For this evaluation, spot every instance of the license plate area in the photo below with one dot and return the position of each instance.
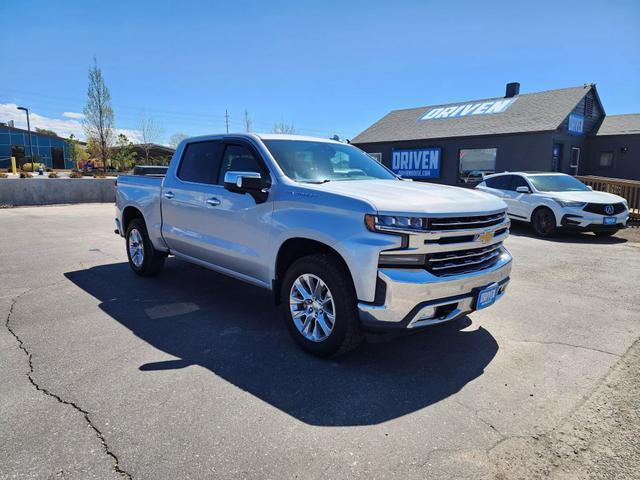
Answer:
(609, 220)
(487, 296)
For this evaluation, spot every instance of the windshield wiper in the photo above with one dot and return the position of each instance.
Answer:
(317, 182)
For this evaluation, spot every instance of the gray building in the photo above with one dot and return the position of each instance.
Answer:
(564, 130)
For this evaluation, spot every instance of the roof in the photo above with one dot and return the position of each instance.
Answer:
(261, 136)
(529, 112)
(620, 125)
(33, 132)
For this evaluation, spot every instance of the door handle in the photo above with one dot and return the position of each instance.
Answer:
(213, 201)
(169, 195)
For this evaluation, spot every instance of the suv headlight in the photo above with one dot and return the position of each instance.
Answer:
(393, 223)
(569, 203)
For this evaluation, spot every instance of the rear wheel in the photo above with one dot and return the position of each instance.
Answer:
(143, 258)
(320, 307)
(543, 222)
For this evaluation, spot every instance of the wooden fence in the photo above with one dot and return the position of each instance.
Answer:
(628, 189)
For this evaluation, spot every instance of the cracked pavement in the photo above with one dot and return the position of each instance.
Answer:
(191, 375)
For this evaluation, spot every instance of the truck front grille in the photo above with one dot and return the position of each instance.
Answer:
(463, 261)
(463, 223)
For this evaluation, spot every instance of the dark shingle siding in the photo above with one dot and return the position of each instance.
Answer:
(531, 112)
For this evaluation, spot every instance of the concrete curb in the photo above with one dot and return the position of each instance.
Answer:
(32, 191)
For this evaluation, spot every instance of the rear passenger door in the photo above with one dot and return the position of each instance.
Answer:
(183, 198)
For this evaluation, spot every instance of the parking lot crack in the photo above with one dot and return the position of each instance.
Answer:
(565, 344)
(116, 462)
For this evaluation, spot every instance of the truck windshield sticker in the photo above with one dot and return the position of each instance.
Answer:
(417, 163)
(466, 109)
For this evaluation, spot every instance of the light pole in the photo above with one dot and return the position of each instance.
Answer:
(30, 144)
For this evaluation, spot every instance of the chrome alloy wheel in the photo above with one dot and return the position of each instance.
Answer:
(312, 307)
(136, 248)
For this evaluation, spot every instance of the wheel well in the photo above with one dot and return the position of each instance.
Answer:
(129, 214)
(539, 207)
(296, 248)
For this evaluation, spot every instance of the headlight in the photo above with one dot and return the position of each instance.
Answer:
(570, 203)
(393, 223)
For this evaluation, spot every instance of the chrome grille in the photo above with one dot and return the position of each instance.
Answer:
(463, 223)
(464, 261)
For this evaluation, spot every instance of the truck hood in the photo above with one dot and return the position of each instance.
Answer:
(586, 196)
(401, 197)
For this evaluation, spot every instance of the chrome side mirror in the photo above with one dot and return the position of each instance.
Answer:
(523, 189)
(242, 181)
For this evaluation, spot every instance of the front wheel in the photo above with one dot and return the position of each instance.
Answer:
(543, 222)
(320, 307)
(144, 260)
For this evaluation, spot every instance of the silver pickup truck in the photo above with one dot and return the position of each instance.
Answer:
(344, 244)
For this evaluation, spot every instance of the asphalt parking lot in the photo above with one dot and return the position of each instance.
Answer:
(191, 375)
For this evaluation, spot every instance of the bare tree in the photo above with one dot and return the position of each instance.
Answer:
(247, 121)
(284, 127)
(150, 133)
(98, 114)
(176, 138)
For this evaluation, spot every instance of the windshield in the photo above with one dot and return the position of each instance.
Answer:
(318, 162)
(557, 183)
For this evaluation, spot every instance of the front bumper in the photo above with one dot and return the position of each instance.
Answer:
(592, 222)
(412, 298)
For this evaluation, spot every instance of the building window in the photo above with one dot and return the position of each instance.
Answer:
(606, 159)
(575, 160)
(475, 163)
(376, 156)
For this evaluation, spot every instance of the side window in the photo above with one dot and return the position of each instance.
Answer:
(238, 158)
(518, 181)
(200, 162)
(502, 182)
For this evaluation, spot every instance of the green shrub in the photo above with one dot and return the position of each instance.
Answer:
(27, 167)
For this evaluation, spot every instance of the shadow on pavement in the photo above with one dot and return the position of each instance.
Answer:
(234, 330)
(521, 229)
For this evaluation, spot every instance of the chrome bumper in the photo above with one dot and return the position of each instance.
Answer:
(417, 298)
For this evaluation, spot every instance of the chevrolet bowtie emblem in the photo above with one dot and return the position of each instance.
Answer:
(484, 237)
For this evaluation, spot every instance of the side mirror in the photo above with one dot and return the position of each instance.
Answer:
(523, 189)
(247, 182)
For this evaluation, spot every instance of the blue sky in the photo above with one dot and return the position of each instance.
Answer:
(327, 67)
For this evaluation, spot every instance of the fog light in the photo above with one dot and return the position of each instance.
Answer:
(426, 313)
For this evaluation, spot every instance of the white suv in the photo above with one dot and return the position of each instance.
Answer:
(555, 200)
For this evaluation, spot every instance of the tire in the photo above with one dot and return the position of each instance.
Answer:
(144, 260)
(608, 233)
(341, 336)
(543, 222)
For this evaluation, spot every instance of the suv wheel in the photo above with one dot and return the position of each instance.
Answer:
(543, 222)
(143, 258)
(319, 306)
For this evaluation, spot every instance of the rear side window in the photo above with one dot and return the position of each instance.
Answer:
(238, 158)
(200, 162)
(503, 182)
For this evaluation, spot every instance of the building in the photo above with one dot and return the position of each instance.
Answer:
(51, 150)
(564, 130)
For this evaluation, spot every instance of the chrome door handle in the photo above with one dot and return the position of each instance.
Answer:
(213, 201)
(169, 195)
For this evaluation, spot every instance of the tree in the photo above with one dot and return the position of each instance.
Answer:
(98, 115)
(44, 131)
(75, 152)
(150, 133)
(247, 121)
(176, 138)
(284, 127)
(123, 153)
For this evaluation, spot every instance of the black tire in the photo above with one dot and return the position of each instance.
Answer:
(345, 334)
(607, 233)
(152, 259)
(543, 222)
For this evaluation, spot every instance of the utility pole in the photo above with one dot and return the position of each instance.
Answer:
(247, 121)
(30, 144)
(226, 119)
